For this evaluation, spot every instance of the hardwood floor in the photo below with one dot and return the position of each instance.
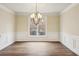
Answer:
(36, 49)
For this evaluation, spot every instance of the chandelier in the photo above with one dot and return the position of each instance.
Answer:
(36, 17)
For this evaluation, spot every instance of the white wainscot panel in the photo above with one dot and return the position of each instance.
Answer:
(76, 44)
(71, 41)
(67, 40)
(51, 36)
(6, 39)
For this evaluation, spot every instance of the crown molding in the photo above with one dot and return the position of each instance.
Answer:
(46, 14)
(6, 9)
(22, 13)
(69, 7)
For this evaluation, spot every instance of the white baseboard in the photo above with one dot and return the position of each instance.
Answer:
(51, 36)
(70, 41)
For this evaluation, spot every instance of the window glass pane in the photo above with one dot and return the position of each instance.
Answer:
(33, 28)
(33, 31)
(41, 28)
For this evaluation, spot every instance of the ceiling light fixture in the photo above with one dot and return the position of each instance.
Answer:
(36, 17)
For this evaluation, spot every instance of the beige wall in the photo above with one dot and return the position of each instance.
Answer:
(7, 27)
(22, 23)
(6, 21)
(70, 21)
(53, 23)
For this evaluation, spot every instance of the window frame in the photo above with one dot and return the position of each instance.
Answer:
(37, 26)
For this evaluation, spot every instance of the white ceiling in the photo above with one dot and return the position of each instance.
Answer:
(42, 7)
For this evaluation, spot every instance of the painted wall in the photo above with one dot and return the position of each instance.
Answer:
(53, 23)
(52, 29)
(70, 28)
(7, 21)
(21, 23)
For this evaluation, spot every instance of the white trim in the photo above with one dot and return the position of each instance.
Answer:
(6, 9)
(22, 13)
(47, 14)
(46, 25)
(28, 26)
(69, 7)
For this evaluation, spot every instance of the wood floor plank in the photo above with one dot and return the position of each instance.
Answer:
(36, 49)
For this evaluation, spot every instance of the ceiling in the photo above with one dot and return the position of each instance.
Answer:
(41, 7)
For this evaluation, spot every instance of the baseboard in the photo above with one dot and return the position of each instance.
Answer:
(39, 41)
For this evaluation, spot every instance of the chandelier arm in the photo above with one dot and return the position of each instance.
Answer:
(37, 21)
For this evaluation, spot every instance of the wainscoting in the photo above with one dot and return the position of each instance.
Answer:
(51, 36)
(70, 41)
(6, 39)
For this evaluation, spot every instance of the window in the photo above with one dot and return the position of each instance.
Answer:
(37, 30)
